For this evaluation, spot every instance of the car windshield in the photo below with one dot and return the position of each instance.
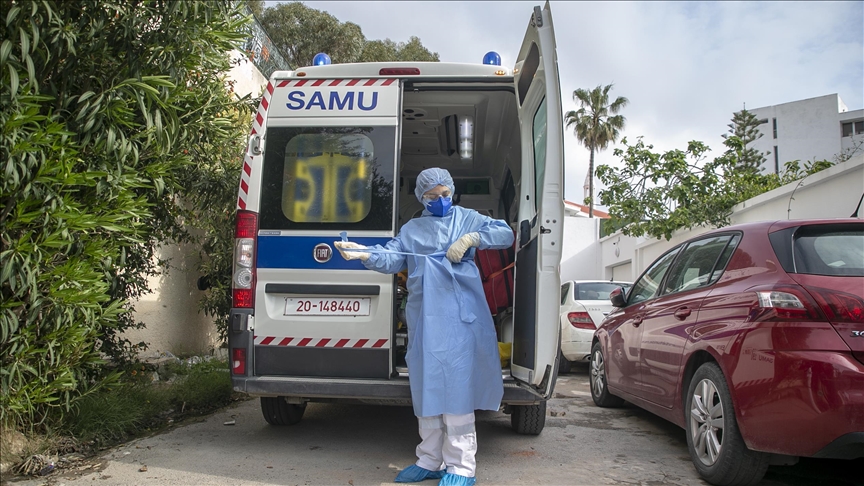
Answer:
(597, 290)
(833, 253)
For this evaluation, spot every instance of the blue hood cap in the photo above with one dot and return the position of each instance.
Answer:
(431, 178)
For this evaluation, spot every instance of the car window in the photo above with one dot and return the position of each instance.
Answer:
(594, 290)
(695, 267)
(823, 251)
(564, 289)
(647, 285)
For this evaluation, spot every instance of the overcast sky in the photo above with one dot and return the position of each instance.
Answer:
(685, 66)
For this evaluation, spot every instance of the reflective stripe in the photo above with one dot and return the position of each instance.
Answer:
(435, 422)
(454, 430)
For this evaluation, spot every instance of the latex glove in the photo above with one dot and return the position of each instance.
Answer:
(342, 246)
(459, 247)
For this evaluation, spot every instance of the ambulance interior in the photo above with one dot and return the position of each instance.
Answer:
(486, 168)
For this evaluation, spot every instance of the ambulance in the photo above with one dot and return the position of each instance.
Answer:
(337, 148)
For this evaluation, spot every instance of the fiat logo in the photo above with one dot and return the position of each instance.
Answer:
(322, 253)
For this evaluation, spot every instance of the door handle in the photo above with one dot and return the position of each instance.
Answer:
(637, 321)
(682, 313)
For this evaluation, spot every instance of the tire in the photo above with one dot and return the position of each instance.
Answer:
(716, 447)
(277, 411)
(528, 419)
(597, 379)
(564, 364)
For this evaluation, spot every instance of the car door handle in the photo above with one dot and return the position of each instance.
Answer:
(637, 321)
(682, 313)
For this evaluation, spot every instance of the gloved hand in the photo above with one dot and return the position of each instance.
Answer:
(351, 255)
(459, 247)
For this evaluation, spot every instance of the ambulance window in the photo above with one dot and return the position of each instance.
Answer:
(323, 176)
(539, 135)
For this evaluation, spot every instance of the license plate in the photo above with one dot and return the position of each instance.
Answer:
(324, 306)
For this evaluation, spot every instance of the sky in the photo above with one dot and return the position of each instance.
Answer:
(684, 66)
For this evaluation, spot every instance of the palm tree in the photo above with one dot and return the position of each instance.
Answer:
(594, 127)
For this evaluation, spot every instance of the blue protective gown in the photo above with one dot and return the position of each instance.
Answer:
(453, 360)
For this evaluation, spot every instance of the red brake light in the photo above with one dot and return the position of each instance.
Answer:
(246, 225)
(243, 277)
(839, 306)
(238, 361)
(399, 72)
(243, 298)
(581, 320)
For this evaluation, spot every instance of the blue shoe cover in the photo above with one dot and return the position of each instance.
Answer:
(450, 479)
(415, 474)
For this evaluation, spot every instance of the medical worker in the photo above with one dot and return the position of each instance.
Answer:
(453, 361)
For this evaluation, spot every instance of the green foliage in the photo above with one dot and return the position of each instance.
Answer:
(745, 127)
(387, 50)
(656, 194)
(137, 406)
(596, 124)
(108, 108)
(300, 32)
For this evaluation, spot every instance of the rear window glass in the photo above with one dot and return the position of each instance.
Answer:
(322, 176)
(818, 251)
(597, 290)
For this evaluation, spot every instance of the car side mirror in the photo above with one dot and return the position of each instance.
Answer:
(617, 297)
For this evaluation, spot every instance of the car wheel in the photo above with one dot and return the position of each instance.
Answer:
(277, 411)
(597, 379)
(716, 446)
(564, 364)
(528, 419)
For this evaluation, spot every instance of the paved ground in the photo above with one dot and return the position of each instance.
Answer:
(367, 445)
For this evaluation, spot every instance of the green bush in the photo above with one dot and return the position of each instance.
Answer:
(110, 113)
(137, 405)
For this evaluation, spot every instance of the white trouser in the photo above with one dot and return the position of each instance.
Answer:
(448, 440)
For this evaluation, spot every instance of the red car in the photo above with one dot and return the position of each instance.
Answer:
(751, 338)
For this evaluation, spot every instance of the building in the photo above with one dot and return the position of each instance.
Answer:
(819, 128)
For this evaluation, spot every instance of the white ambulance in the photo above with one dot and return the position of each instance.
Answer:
(337, 148)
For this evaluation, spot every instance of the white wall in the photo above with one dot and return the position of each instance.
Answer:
(806, 130)
(247, 78)
(580, 254)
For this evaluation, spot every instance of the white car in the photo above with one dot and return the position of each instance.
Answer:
(584, 305)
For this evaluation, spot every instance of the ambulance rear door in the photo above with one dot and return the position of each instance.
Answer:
(541, 210)
(329, 166)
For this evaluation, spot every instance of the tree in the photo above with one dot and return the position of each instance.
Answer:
(745, 126)
(596, 124)
(300, 32)
(109, 112)
(656, 194)
(387, 50)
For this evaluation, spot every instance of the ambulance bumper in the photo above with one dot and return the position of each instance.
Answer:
(396, 391)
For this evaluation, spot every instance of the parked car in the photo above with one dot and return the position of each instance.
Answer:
(584, 304)
(751, 338)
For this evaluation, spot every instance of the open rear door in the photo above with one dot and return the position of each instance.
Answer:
(541, 211)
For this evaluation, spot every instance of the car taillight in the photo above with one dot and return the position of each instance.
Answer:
(243, 276)
(839, 306)
(580, 320)
(785, 304)
(238, 361)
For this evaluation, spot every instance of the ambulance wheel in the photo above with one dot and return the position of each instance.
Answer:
(279, 412)
(528, 419)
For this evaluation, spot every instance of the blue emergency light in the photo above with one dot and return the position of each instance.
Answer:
(321, 59)
(492, 58)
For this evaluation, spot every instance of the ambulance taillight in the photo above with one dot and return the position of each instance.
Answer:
(243, 276)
